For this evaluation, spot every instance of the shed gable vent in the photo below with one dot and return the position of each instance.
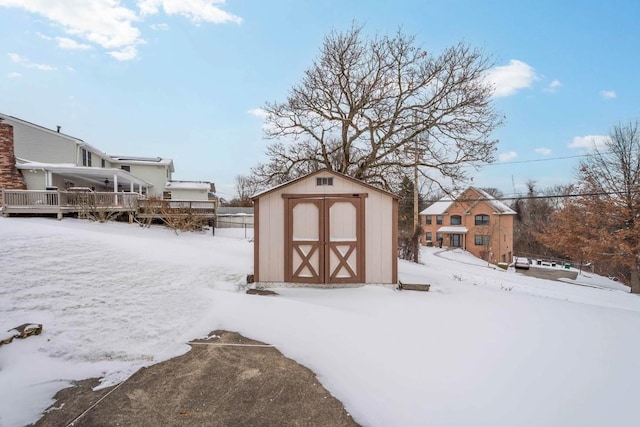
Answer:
(324, 181)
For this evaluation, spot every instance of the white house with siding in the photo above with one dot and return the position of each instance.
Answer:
(189, 190)
(49, 159)
(325, 228)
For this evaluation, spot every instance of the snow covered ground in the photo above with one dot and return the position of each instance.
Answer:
(485, 347)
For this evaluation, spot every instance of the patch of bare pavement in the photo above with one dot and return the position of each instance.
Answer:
(225, 380)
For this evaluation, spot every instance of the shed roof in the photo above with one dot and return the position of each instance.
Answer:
(319, 171)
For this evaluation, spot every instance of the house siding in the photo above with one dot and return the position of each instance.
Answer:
(40, 145)
(184, 194)
(35, 179)
(155, 174)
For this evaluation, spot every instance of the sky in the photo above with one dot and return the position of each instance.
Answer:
(186, 79)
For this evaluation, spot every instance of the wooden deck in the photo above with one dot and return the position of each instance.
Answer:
(60, 203)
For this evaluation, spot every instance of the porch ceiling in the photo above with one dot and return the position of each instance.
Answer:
(93, 175)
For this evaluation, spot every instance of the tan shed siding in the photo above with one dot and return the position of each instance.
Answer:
(35, 180)
(378, 225)
(42, 146)
(379, 238)
(308, 186)
(271, 238)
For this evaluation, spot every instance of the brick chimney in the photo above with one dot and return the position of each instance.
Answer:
(10, 177)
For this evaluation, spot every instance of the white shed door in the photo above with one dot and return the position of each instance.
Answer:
(324, 237)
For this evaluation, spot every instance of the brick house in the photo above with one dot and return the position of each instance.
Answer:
(474, 221)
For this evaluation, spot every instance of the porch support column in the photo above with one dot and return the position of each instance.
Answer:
(115, 188)
(131, 187)
(48, 179)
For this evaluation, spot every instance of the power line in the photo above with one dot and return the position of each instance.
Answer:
(537, 160)
(546, 196)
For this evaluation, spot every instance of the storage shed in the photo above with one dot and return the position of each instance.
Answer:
(325, 228)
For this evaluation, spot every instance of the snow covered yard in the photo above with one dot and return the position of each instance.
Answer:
(483, 347)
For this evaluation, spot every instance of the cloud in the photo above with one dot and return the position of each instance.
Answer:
(113, 24)
(608, 94)
(159, 27)
(103, 22)
(24, 62)
(258, 112)
(589, 141)
(505, 157)
(553, 86)
(14, 75)
(508, 79)
(543, 150)
(70, 44)
(126, 54)
(195, 10)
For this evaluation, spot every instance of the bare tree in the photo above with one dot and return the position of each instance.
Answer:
(364, 102)
(605, 221)
(245, 187)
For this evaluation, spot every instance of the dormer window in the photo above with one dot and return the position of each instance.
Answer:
(126, 168)
(324, 181)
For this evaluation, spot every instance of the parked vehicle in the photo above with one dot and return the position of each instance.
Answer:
(521, 262)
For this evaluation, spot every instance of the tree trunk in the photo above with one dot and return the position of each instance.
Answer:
(634, 281)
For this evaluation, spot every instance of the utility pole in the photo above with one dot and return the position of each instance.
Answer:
(417, 153)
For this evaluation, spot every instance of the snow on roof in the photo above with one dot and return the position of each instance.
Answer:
(496, 204)
(439, 207)
(86, 171)
(442, 206)
(134, 160)
(452, 229)
(188, 185)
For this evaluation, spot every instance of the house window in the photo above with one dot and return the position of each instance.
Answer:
(482, 219)
(428, 219)
(456, 220)
(86, 157)
(103, 163)
(324, 181)
(439, 219)
(126, 168)
(481, 240)
(428, 236)
(438, 236)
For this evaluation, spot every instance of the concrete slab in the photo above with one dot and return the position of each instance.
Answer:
(224, 381)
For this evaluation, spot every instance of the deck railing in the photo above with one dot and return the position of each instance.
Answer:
(155, 207)
(54, 201)
(61, 202)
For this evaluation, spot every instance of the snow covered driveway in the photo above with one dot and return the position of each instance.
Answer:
(483, 348)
